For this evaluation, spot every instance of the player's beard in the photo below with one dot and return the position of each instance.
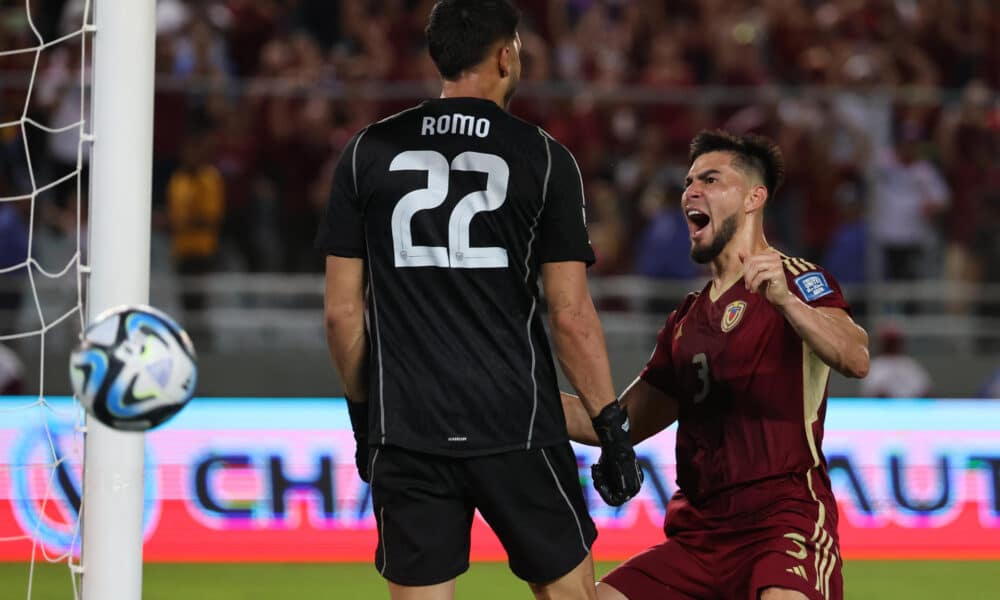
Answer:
(726, 233)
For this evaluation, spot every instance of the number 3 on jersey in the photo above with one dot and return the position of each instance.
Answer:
(703, 376)
(459, 254)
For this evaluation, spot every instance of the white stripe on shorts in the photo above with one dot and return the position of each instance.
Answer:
(579, 528)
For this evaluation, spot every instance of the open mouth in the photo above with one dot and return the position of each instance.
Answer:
(698, 220)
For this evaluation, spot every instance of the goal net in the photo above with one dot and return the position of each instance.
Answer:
(43, 128)
(75, 165)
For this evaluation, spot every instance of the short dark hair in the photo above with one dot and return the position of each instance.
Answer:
(753, 153)
(460, 32)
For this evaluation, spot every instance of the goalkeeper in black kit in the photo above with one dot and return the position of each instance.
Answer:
(441, 221)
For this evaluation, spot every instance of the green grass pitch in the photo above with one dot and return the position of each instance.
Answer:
(864, 580)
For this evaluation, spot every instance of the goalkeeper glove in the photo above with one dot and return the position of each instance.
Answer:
(617, 476)
(359, 423)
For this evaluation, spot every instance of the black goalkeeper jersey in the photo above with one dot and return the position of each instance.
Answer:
(454, 204)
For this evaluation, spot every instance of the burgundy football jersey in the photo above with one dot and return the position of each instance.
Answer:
(751, 394)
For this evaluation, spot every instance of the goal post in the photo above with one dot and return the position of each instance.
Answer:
(118, 260)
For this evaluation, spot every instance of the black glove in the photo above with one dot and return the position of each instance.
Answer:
(359, 423)
(617, 476)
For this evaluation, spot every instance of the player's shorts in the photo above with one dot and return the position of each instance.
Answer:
(788, 544)
(424, 505)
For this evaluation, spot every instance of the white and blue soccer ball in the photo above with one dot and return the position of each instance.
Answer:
(134, 368)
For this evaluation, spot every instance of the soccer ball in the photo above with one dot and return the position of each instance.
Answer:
(134, 368)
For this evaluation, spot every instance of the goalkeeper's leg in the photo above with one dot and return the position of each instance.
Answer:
(438, 591)
(578, 583)
(533, 501)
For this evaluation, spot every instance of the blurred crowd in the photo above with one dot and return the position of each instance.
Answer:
(887, 112)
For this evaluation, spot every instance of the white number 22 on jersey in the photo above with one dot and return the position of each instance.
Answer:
(459, 254)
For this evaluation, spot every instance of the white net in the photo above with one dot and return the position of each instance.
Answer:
(45, 143)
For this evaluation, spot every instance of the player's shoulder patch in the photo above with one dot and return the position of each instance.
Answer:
(813, 285)
(809, 278)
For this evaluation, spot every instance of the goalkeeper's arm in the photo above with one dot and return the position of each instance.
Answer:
(580, 347)
(577, 334)
(344, 312)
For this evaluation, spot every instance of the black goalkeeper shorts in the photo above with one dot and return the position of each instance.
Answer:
(424, 505)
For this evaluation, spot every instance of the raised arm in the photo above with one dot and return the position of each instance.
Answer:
(831, 334)
(828, 331)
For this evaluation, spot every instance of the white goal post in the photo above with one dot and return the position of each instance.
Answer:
(118, 261)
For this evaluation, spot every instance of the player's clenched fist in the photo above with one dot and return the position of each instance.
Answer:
(763, 273)
(617, 476)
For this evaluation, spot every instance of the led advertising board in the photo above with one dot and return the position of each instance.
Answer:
(233, 479)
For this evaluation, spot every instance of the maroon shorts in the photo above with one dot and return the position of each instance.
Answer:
(790, 543)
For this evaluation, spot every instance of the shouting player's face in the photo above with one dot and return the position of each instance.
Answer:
(713, 203)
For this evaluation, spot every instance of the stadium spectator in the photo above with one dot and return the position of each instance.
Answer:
(847, 254)
(959, 34)
(969, 149)
(606, 226)
(200, 50)
(457, 408)
(909, 196)
(295, 158)
(734, 365)
(894, 373)
(657, 68)
(196, 201)
(236, 155)
(665, 239)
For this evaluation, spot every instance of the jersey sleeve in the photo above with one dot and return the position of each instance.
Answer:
(341, 230)
(563, 228)
(816, 287)
(659, 371)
